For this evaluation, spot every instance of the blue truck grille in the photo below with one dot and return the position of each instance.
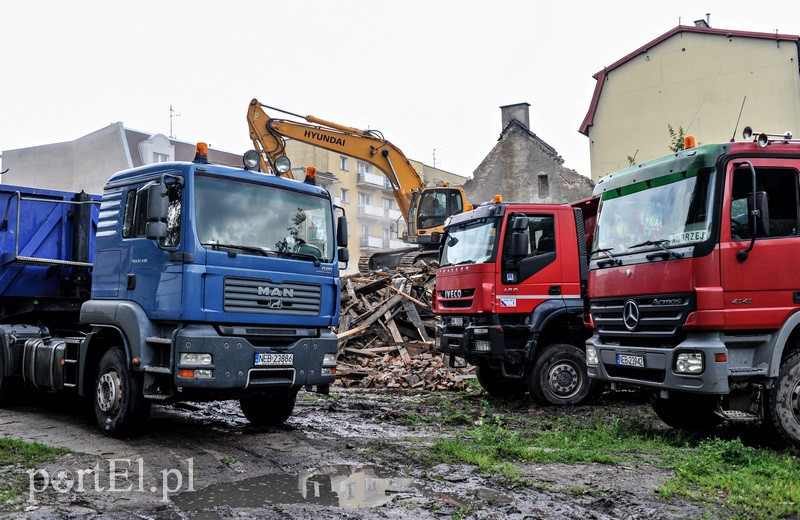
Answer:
(264, 297)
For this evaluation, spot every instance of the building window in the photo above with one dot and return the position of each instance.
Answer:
(364, 230)
(364, 199)
(345, 196)
(364, 167)
(544, 189)
(343, 163)
(160, 157)
(387, 203)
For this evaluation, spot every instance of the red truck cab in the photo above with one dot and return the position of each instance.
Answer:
(693, 286)
(509, 290)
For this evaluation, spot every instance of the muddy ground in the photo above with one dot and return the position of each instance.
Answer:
(354, 454)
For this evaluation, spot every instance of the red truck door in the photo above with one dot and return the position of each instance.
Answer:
(524, 284)
(762, 291)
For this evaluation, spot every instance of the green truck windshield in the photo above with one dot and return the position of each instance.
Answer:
(674, 210)
(263, 218)
(472, 243)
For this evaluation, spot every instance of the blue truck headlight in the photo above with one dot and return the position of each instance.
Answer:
(591, 356)
(329, 360)
(203, 374)
(190, 358)
(689, 363)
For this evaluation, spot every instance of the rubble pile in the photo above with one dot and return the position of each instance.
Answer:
(386, 333)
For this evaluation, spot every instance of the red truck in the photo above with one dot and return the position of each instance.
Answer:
(694, 287)
(509, 289)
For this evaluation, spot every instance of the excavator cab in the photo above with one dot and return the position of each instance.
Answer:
(430, 207)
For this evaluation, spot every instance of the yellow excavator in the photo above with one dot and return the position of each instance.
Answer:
(424, 208)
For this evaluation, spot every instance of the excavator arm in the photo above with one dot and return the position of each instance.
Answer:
(269, 134)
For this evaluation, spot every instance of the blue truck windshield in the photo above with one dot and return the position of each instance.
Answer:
(263, 219)
(673, 210)
(472, 243)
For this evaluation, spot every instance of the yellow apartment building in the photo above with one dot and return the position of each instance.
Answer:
(365, 193)
(694, 77)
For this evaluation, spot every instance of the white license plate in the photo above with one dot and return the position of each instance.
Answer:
(630, 361)
(457, 322)
(274, 359)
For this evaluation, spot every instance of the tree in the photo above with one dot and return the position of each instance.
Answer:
(675, 138)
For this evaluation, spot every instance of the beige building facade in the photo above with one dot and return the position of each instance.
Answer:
(697, 78)
(364, 192)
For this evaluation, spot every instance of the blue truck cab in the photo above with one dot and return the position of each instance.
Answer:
(184, 281)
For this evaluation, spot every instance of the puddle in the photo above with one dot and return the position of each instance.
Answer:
(350, 487)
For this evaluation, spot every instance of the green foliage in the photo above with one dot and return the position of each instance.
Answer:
(675, 138)
(22, 455)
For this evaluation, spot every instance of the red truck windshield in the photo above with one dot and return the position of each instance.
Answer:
(674, 209)
(470, 243)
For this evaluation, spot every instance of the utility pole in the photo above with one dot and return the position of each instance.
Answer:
(172, 114)
(434, 157)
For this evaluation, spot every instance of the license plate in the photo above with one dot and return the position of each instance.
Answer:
(457, 322)
(630, 361)
(274, 359)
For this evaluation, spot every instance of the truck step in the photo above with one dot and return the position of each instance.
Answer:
(739, 416)
(156, 369)
(159, 341)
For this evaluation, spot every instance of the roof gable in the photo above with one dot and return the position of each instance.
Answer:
(600, 76)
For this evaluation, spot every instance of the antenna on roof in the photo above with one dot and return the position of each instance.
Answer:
(171, 115)
(733, 137)
(434, 157)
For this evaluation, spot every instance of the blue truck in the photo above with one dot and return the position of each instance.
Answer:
(183, 281)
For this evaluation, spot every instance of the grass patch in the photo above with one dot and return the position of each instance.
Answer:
(21, 456)
(742, 480)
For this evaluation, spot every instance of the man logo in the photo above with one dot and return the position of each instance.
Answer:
(275, 291)
(630, 315)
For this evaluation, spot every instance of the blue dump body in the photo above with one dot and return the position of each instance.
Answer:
(46, 231)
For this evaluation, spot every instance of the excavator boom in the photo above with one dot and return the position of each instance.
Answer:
(423, 208)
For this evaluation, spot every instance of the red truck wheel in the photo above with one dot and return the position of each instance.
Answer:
(559, 376)
(268, 409)
(496, 384)
(119, 404)
(784, 400)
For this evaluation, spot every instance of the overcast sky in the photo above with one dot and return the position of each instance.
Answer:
(428, 74)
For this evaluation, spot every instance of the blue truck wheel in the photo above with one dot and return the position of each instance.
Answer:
(119, 404)
(8, 386)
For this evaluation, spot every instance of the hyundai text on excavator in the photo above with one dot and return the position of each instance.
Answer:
(424, 208)
(694, 289)
(510, 289)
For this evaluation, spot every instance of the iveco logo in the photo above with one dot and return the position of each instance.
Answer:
(454, 293)
(275, 291)
(630, 315)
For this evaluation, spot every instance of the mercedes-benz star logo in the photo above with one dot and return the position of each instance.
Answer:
(630, 315)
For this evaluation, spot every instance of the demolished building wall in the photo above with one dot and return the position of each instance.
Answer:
(522, 167)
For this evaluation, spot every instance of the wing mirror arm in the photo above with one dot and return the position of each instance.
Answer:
(757, 212)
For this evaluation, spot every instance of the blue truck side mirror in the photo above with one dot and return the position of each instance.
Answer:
(341, 232)
(157, 206)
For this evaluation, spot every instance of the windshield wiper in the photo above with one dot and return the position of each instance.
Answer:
(291, 254)
(611, 260)
(246, 249)
(665, 252)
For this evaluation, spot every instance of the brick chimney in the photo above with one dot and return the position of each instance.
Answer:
(518, 111)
